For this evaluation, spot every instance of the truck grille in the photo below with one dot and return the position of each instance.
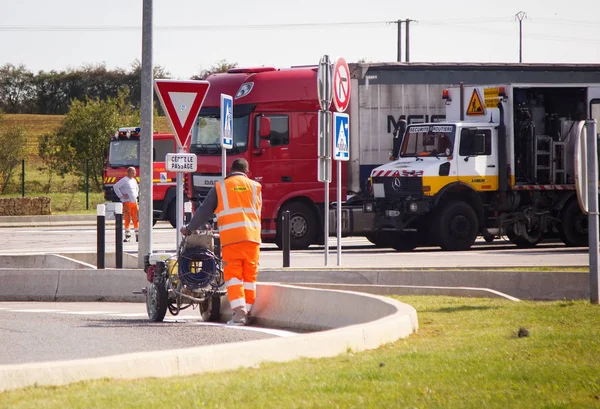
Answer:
(409, 187)
(202, 185)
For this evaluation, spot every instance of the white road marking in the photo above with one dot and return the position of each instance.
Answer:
(128, 315)
(35, 310)
(86, 312)
(270, 331)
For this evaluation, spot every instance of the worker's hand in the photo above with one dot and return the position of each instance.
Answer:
(125, 196)
(184, 231)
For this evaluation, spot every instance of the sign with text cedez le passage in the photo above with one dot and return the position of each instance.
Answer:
(181, 162)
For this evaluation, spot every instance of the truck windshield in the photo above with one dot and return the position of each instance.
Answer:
(428, 140)
(206, 134)
(124, 153)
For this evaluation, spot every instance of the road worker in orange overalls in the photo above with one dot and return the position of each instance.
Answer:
(127, 190)
(237, 202)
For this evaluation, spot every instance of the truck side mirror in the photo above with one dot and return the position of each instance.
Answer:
(263, 144)
(265, 127)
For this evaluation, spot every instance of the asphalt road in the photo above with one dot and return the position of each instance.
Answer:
(356, 251)
(39, 332)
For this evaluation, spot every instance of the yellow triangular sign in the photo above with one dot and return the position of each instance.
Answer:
(475, 106)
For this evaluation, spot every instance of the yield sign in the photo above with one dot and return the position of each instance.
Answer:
(181, 101)
(341, 85)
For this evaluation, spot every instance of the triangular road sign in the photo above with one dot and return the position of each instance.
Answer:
(181, 101)
(475, 106)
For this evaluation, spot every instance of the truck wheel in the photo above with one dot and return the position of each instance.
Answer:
(379, 240)
(157, 299)
(303, 226)
(172, 215)
(574, 226)
(210, 309)
(523, 242)
(455, 226)
(405, 242)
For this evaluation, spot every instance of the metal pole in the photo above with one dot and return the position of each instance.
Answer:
(339, 213)
(147, 104)
(100, 236)
(399, 22)
(520, 16)
(87, 184)
(179, 204)
(593, 235)
(223, 162)
(326, 223)
(285, 237)
(22, 177)
(407, 45)
(119, 235)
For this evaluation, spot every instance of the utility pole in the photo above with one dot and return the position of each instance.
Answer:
(399, 22)
(407, 39)
(521, 15)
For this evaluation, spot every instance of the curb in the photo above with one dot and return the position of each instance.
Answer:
(350, 321)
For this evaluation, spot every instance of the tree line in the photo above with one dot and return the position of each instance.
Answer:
(51, 92)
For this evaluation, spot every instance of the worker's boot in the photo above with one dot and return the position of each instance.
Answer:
(127, 238)
(137, 237)
(239, 317)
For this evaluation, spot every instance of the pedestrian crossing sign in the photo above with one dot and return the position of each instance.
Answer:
(341, 136)
(475, 107)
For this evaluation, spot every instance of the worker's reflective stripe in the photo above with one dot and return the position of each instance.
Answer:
(233, 281)
(249, 307)
(224, 196)
(249, 286)
(230, 226)
(238, 302)
(254, 196)
(236, 210)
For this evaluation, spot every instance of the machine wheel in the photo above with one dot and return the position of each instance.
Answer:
(157, 299)
(574, 225)
(523, 242)
(210, 309)
(303, 226)
(172, 215)
(455, 226)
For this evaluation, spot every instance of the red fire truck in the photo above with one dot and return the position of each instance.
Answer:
(124, 151)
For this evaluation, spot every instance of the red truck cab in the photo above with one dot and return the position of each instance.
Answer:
(285, 102)
(124, 151)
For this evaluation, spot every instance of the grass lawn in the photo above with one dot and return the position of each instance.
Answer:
(68, 203)
(466, 355)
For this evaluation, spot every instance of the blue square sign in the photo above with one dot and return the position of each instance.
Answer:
(227, 121)
(341, 136)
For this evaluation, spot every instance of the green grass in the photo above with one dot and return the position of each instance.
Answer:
(466, 355)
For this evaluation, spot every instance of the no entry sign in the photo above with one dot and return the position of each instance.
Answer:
(341, 85)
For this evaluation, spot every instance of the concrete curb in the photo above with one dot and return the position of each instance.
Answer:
(50, 220)
(529, 285)
(354, 321)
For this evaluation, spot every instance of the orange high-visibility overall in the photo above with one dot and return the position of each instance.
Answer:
(238, 216)
(130, 211)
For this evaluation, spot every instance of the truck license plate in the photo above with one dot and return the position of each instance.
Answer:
(392, 213)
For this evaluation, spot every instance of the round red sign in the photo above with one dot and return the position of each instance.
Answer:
(341, 85)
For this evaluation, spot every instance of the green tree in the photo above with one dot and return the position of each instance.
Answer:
(84, 135)
(220, 66)
(17, 89)
(12, 150)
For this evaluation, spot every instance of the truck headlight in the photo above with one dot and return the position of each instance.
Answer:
(413, 207)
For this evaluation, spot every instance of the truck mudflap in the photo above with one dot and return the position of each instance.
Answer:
(354, 221)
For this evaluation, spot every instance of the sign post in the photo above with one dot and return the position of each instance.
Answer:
(181, 101)
(226, 130)
(341, 152)
(341, 136)
(586, 184)
(324, 92)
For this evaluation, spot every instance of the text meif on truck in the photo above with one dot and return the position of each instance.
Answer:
(501, 164)
(124, 151)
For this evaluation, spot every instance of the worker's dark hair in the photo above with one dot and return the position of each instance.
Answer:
(240, 165)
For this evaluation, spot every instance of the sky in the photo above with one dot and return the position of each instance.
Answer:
(190, 35)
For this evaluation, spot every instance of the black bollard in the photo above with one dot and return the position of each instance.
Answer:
(100, 239)
(285, 237)
(119, 235)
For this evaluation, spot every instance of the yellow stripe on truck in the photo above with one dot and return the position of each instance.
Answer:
(476, 182)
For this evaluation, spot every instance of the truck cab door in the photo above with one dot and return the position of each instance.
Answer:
(273, 167)
(478, 158)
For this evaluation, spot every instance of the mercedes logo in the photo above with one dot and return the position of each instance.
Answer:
(396, 185)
